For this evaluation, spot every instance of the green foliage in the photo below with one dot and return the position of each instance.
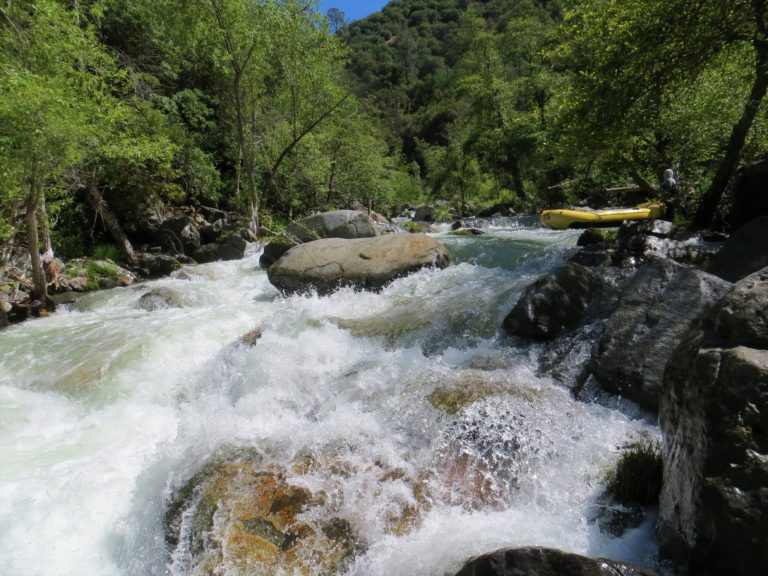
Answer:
(638, 475)
(106, 252)
(443, 213)
(412, 227)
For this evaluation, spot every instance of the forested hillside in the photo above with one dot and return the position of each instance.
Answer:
(540, 102)
(262, 107)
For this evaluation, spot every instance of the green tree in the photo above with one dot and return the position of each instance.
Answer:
(631, 59)
(51, 92)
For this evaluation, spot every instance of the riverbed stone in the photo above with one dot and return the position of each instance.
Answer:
(534, 561)
(160, 299)
(248, 517)
(714, 417)
(656, 309)
(364, 263)
(553, 304)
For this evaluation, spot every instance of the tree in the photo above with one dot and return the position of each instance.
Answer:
(50, 94)
(630, 59)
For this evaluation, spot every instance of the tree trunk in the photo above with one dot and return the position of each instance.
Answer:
(42, 220)
(40, 289)
(709, 202)
(111, 222)
(517, 177)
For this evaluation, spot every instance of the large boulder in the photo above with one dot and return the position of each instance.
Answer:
(335, 224)
(241, 517)
(230, 248)
(656, 309)
(547, 562)
(180, 234)
(553, 304)
(366, 263)
(744, 253)
(714, 417)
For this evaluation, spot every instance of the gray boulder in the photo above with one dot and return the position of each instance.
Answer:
(335, 224)
(714, 417)
(656, 310)
(366, 263)
(553, 304)
(424, 214)
(180, 234)
(547, 562)
(744, 253)
(160, 299)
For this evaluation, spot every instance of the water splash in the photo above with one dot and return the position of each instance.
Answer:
(107, 410)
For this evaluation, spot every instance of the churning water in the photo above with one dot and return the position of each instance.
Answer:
(106, 409)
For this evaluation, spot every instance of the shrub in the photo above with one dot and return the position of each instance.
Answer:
(106, 252)
(412, 227)
(638, 475)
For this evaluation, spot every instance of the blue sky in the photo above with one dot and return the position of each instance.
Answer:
(353, 9)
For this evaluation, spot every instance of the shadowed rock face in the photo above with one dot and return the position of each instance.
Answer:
(366, 263)
(714, 416)
(553, 304)
(745, 252)
(547, 562)
(656, 310)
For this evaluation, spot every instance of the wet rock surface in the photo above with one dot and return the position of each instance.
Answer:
(250, 518)
(160, 299)
(547, 562)
(553, 304)
(656, 309)
(714, 416)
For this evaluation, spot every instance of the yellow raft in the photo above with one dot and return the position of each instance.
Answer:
(563, 218)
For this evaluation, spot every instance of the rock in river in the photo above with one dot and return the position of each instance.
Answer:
(366, 263)
(547, 562)
(243, 518)
(714, 416)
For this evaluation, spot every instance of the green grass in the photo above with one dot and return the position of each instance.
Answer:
(638, 475)
(106, 252)
(411, 227)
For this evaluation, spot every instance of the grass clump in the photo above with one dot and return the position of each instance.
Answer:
(638, 475)
(411, 227)
(106, 252)
(443, 213)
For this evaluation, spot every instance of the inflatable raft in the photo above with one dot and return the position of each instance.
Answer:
(563, 218)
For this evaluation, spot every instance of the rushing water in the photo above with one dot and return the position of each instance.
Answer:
(106, 409)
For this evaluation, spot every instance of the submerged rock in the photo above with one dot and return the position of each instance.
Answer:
(553, 304)
(160, 299)
(246, 518)
(366, 263)
(656, 310)
(547, 562)
(714, 417)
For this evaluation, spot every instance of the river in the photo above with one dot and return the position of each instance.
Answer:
(106, 410)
